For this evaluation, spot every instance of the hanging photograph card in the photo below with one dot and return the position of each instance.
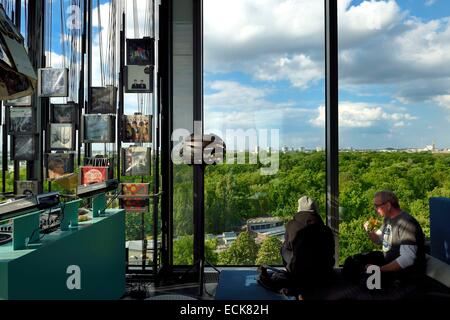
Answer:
(135, 197)
(136, 161)
(98, 128)
(139, 79)
(27, 188)
(23, 147)
(20, 120)
(103, 100)
(93, 174)
(141, 51)
(62, 136)
(64, 113)
(59, 165)
(53, 82)
(13, 85)
(137, 128)
(19, 102)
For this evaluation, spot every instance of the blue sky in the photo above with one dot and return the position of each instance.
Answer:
(264, 70)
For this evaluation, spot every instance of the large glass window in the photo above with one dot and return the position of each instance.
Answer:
(183, 105)
(264, 95)
(394, 110)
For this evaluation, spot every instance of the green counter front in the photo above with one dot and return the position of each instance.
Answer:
(83, 263)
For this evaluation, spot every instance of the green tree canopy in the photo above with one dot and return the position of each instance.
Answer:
(269, 252)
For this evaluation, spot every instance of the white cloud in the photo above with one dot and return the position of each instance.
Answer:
(443, 101)
(363, 115)
(380, 43)
(300, 70)
(270, 39)
(430, 2)
(232, 105)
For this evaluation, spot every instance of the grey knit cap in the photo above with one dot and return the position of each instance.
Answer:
(307, 204)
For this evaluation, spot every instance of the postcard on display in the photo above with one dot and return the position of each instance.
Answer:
(93, 174)
(99, 128)
(20, 120)
(23, 147)
(136, 161)
(140, 51)
(139, 79)
(25, 188)
(64, 113)
(59, 165)
(103, 100)
(53, 82)
(62, 136)
(135, 197)
(137, 128)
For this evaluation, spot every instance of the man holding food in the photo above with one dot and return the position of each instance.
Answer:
(401, 238)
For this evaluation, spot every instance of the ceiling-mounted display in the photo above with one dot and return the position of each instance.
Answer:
(141, 51)
(103, 100)
(20, 120)
(137, 128)
(53, 82)
(139, 79)
(99, 128)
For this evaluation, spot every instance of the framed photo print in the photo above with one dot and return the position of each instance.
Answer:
(137, 128)
(93, 174)
(26, 188)
(141, 51)
(99, 128)
(19, 102)
(139, 79)
(23, 147)
(62, 136)
(13, 85)
(64, 113)
(53, 82)
(20, 120)
(103, 99)
(136, 161)
(59, 165)
(135, 197)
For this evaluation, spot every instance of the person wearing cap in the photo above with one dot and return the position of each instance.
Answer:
(307, 214)
(307, 254)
